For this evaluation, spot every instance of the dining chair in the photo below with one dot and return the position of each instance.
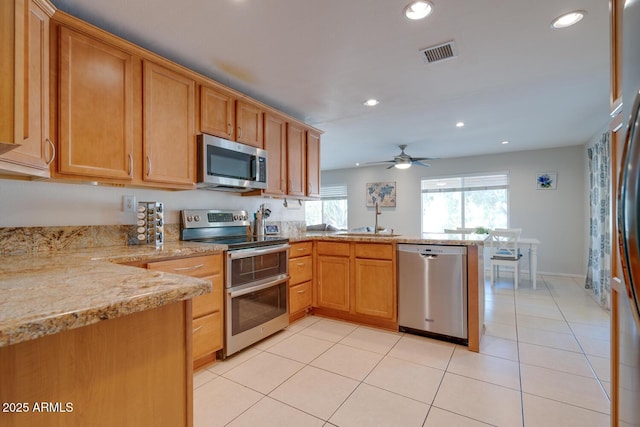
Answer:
(503, 246)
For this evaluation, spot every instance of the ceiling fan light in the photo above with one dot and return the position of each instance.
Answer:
(403, 165)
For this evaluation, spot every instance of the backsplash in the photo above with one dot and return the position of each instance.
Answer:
(24, 240)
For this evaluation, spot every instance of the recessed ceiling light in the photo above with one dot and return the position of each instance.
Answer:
(568, 19)
(460, 124)
(371, 102)
(418, 10)
(357, 164)
(504, 142)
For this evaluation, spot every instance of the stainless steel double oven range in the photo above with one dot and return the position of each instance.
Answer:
(256, 276)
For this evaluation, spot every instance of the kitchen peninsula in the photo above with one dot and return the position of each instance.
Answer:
(366, 265)
(96, 343)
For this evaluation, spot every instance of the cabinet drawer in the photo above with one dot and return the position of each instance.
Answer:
(300, 249)
(209, 303)
(201, 266)
(374, 250)
(300, 297)
(333, 248)
(300, 269)
(207, 334)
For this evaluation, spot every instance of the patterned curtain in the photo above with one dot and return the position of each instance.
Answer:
(599, 268)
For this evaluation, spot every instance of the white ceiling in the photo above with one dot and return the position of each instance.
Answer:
(514, 78)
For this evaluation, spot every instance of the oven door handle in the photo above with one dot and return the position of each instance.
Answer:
(244, 253)
(252, 289)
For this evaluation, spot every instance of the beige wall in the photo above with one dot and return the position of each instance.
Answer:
(25, 203)
(556, 217)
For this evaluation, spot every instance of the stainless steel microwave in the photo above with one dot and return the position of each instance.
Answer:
(230, 166)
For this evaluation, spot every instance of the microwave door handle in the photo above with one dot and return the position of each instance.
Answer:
(254, 168)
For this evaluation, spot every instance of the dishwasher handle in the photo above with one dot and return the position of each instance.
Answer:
(428, 256)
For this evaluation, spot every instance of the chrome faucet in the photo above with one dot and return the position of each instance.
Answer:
(375, 228)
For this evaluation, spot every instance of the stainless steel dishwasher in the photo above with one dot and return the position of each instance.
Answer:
(432, 291)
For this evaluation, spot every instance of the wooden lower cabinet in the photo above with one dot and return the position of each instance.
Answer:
(300, 279)
(208, 320)
(131, 371)
(332, 282)
(375, 293)
(300, 297)
(357, 282)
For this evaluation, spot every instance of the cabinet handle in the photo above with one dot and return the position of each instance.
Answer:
(130, 165)
(193, 267)
(53, 151)
(196, 329)
(239, 132)
(302, 291)
(301, 264)
(300, 249)
(230, 130)
(148, 166)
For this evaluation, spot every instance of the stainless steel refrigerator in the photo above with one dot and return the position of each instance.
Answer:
(629, 223)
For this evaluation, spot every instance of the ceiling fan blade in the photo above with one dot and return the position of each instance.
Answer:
(423, 158)
(426, 165)
(379, 163)
(392, 166)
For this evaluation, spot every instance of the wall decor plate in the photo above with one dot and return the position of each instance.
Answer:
(383, 193)
(546, 180)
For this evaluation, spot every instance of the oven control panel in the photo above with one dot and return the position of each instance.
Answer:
(203, 218)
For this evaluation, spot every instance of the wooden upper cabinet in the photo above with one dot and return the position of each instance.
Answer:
(249, 123)
(615, 12)
(95, 112)
(313, 164)
(36, 151)
(169, 126)
(275, 142)
(296, 160)
(217, 112)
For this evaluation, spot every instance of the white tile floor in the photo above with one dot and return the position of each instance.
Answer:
(544, 361)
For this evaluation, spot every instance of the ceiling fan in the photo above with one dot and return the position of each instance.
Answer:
(404, 161)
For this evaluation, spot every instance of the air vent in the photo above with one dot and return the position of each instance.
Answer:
(439, 53)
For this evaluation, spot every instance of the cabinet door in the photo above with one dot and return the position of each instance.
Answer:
(332, 283)
(217, 114)
(249, 124)
(375, 293)
(12, 61)
(36, 152)
(275, 142)
(296, 160)
(169, 126)
(313, 164)
(96, 108)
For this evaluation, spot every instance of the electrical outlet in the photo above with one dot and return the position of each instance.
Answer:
(129, 203)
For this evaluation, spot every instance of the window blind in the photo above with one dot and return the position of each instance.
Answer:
(333, 192)
(465, 183)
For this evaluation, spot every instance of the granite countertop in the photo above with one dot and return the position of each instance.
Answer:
(47, 293)
(426, 238)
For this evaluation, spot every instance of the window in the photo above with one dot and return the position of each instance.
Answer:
(330, 209)
(465, 201)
